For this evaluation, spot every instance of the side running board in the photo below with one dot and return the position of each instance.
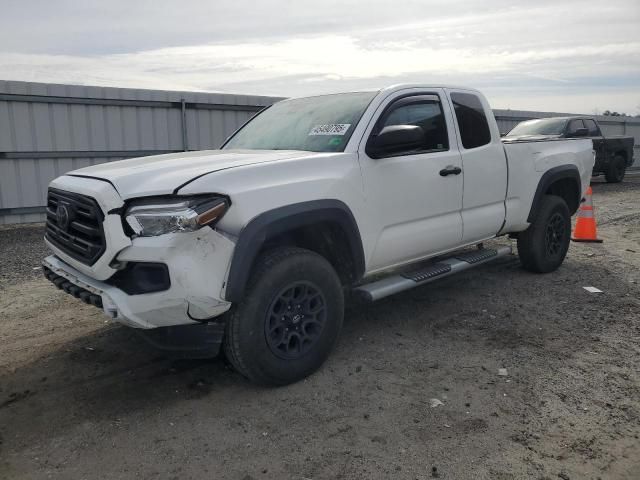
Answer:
(443, 268)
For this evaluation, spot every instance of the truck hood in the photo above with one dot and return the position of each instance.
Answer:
(166, 174)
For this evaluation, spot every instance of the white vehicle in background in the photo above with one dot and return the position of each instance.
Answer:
(253, 246)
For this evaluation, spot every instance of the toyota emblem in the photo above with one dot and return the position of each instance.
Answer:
(62, 217)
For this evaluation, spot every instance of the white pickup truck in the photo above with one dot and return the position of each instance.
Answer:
(254, 246)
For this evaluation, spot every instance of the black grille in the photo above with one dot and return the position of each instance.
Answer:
(74, 225)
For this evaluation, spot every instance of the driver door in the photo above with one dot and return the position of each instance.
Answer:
(414, 196)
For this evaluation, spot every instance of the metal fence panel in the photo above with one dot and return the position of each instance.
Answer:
(47, 130)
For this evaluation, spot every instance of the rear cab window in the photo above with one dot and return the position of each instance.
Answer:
(594, 131)
(472, 120)
(574, 126)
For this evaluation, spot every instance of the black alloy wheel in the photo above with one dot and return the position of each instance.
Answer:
(554, 234)
(295, 320)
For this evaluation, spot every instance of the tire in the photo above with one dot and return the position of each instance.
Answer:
(543, 246)
(616, 170)
(271, 344)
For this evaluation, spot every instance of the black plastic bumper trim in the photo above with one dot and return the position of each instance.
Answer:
(141, 277)
(62, 283)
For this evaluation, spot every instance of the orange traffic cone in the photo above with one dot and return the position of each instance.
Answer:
(585, 230)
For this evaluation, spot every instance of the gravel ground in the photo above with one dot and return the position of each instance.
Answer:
(21, 253)
(82, 398)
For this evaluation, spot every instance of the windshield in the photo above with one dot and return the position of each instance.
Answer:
(545, 126)
(315, 124)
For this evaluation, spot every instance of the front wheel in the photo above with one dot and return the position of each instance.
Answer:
(543, 246)
(616, 170)
(290, 319)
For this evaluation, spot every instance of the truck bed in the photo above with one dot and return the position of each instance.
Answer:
(524, 174)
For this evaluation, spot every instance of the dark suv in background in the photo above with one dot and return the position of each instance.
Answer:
(614, 153)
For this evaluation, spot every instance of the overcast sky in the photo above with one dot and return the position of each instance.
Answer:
(562, 55)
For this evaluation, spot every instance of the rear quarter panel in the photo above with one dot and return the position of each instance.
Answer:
(528, 161)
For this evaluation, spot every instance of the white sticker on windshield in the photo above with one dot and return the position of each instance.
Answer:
(330, 129)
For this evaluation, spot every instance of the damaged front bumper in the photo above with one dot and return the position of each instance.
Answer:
(199, 340)
(196, 265)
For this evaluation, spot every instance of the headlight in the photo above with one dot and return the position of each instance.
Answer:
(157, 216)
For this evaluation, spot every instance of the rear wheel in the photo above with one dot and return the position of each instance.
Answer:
(543, 246)
(289, 320)
(616, 170)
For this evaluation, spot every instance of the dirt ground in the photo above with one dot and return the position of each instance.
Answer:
(81, 398)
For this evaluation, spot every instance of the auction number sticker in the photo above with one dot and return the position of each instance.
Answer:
(330, 129)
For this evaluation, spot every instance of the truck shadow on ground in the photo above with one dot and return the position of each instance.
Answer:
(494, 312)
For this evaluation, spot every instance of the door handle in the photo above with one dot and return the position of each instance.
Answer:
(450, 170)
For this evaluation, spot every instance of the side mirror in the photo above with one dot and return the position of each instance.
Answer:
(580, 132)
(395, 138)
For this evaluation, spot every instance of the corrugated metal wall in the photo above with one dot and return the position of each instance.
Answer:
(47, 130)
